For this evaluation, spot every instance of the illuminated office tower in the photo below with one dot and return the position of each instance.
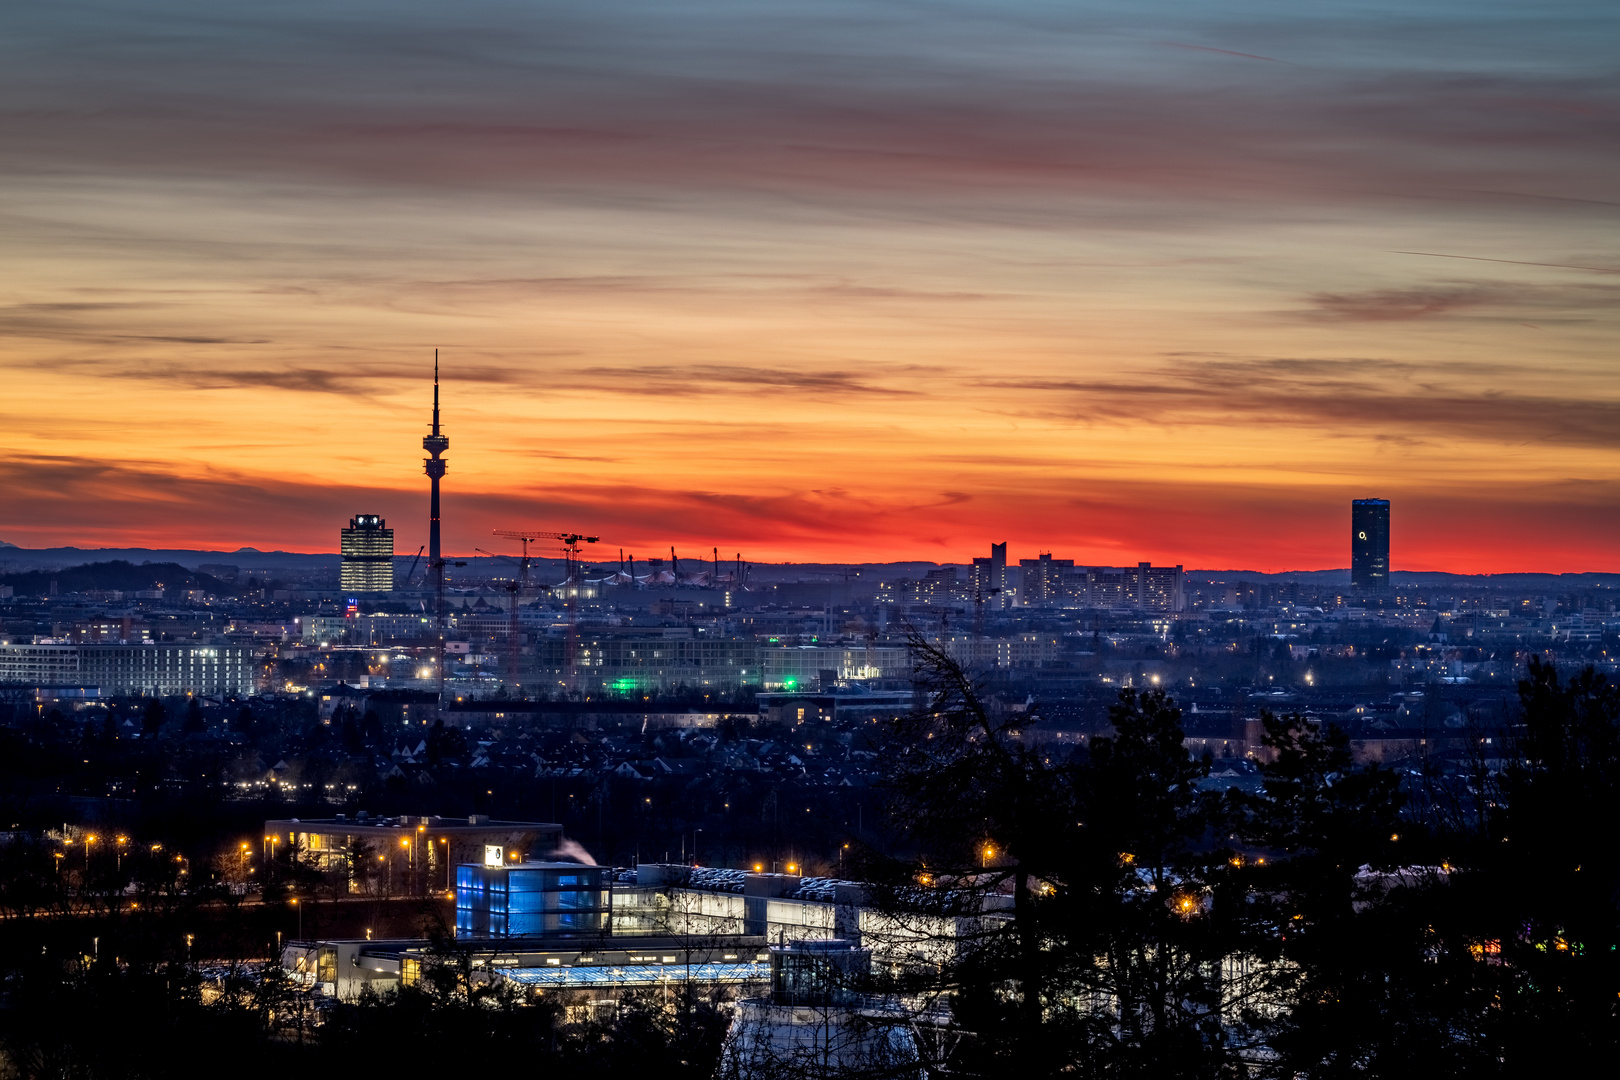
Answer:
(368, 555)
(1369, 545)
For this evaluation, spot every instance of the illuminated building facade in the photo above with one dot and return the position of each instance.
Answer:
(368, 555)
(1041, 580)
(125, 670)
(530, 899)
(1143, 587)
(816, 1013)
(626, 664)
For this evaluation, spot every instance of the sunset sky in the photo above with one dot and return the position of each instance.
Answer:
(818, 280)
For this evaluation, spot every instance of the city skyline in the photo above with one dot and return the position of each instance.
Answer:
(815, 285)
(1366, 557)
(735, 540)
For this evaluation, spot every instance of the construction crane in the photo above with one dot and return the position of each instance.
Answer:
(571, 542)
(412, 572)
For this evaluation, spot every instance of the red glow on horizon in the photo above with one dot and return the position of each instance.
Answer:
(1266, 532)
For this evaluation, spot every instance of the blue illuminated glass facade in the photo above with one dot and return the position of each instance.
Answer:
(637, 974)
(532, 899)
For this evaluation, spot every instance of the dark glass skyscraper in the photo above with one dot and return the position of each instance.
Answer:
(1369, 545)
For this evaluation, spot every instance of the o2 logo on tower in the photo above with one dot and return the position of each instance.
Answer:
(1362, 535)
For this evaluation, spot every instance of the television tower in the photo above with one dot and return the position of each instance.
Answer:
(436, 444)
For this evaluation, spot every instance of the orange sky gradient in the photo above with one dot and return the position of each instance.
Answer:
(844, 283)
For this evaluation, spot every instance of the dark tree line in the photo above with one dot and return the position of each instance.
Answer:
(120, 998)
(1342, 920)
(1146, 924)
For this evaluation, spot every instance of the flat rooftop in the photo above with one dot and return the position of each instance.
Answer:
(472, 823)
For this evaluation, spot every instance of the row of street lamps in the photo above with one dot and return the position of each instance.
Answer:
(119, 842)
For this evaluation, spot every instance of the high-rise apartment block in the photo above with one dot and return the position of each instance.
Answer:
(1369, 545)
(1049, 582)
(1041, 580)
(368, 555)
(1143, 587)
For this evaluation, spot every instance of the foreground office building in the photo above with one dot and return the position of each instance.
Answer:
(1369, 545)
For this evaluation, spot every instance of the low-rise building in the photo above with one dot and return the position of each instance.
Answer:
(659, 924)
(407, 855)
(120, 670)
(803, 667)
(499, 899)
(594, 965)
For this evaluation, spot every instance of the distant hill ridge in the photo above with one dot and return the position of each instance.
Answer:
(16, 560)
(118, 575)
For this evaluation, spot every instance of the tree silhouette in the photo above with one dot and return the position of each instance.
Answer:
(153, 718)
